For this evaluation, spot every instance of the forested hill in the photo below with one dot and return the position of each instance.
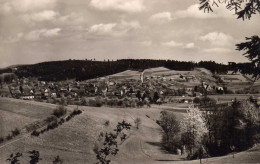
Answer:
(88, 69)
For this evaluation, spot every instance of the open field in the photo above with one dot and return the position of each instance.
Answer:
(128, 74)
(230, 97)
(18, 113)
(74, 140)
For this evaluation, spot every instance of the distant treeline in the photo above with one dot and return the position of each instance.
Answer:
(88, 69)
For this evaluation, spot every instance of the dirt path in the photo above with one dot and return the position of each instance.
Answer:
(15, 140)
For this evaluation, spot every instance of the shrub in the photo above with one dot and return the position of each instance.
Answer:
(1, 139)
(14, 158)
(9, 137)
(60, 111)
(35, 133)
(62, 120)
(53, 125)
(76, 112)
(95, 102)
(107, 123)
(196, 100)
(68, 118)
(57, 160)
(84, 102)
(63, 101)
(50, 119)
(35, 157)
(43, 130)
(15, 132)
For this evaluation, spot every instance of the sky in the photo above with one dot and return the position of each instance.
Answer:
(33, 31)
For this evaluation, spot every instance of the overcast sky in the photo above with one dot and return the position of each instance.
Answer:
(33, 31)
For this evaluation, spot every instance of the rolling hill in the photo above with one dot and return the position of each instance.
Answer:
(74, 140)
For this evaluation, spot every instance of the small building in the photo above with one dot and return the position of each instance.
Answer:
(27, 97)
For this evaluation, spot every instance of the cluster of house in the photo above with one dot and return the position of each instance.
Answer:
(31, 88)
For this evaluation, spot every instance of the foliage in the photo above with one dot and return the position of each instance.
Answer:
(87, 69)
(9, 137)
(57, 160)
(232, 126)
(110, 143)
(193, 129)
(61, 111)
(252, 53)
(156, 97)
(35, 157)
(97, 102)
(1, 140)
(205, 101)
(171, 131)
(15, 132)
(138, 95)
(35, 133)
(243, 8)
(107, 122)
(14, 158)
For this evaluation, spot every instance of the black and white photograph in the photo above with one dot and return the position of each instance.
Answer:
(129, 81)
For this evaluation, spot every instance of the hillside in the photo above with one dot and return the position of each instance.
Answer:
(88, 69)
(74, 140)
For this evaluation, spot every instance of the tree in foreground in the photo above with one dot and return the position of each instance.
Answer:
(171, 131)
(57, 160)
(35, 157)
(14, 158)
(193, 129)
(110, 143)
(244, 9)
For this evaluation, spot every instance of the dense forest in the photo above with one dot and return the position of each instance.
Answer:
(88, 69)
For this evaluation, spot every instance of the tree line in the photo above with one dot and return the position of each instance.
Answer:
(89, 69)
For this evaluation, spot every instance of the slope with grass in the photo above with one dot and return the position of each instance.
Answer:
(74, 140)
(19, 113)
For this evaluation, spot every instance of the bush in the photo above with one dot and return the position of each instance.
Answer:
(57, 160)
(76, 112)
(35, 133)
(84, 102)
(60, 111)
(62, 120)
(68, 118)
(9, 137)
(107, 123)
(15, 132)
(42, 131)
(50, 119)
(1, 139)
(97, 102)
(53, 125)
(63, 101)
(196, 100)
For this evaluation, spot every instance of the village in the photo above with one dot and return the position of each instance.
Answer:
(157, 85)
